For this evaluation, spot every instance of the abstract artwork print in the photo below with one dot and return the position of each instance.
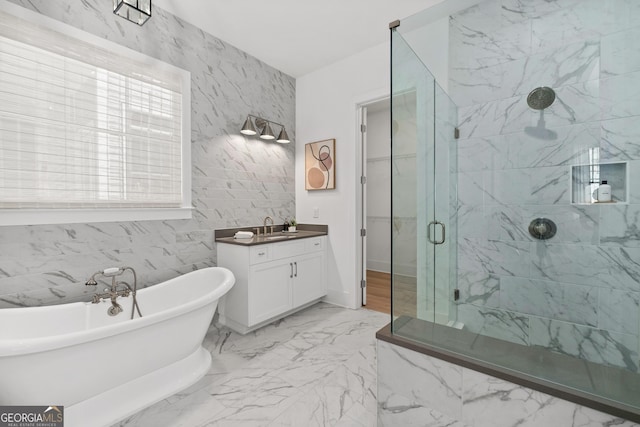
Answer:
(319, 165)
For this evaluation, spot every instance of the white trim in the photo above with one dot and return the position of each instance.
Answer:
(10, 217)
(186, 140)
(358, 102)
(74, 216)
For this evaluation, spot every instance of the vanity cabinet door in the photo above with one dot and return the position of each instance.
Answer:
(269, 290)
(309, 283)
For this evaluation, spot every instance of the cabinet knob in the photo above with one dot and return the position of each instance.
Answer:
(317, 244)
(260, 253)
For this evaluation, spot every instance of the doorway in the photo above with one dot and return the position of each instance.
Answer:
(376, 205)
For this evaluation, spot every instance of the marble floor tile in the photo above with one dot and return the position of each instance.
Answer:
(313, 368)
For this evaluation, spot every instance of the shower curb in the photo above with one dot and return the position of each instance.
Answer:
(579, 397)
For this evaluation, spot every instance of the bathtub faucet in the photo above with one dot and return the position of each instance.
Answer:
(118, 288)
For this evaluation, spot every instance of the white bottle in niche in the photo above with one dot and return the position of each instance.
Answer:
(604, 192)
(588, 192)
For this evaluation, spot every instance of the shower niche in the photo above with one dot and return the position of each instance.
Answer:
(586, 180)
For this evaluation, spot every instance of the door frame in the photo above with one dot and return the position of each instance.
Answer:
(360, 199)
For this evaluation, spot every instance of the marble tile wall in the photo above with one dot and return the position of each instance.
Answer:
(236, 181)
(578, 292)
(415, 389)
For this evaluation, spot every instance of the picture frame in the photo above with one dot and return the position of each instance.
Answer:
(320, 165)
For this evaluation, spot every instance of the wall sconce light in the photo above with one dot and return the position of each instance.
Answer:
(137, 11)
(248, 128)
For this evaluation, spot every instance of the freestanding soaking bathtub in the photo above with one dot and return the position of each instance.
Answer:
(103, 368)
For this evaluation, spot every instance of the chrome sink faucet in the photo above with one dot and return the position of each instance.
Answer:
(265, 225)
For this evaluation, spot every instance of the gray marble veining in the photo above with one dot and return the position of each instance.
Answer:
(611, 267)
(572, 303)
(619, 311)
(496, 323)
(437, 384)
(620, 96)
(620, 139)
(519, 10)
(479, 288)
(595, 345)
(619, 53)
(620, 226)
(483, 401)
(572, 64)
(313, 368)
(236, 180)
(571, 147)
(496, 257)
(509, 172)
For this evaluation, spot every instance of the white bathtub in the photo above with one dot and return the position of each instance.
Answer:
(103, 368)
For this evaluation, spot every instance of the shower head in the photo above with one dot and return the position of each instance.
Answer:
(541, 97)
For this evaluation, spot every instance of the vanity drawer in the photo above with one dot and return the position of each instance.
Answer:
(260, 253)
(315, 244)
(288, 249)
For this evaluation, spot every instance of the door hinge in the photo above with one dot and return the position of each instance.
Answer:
(363, 128)
(363, 232)
(363, 283)
(456, 133)
(363, 180)
(456, 294)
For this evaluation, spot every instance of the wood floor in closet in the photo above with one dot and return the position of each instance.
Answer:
(379, 294)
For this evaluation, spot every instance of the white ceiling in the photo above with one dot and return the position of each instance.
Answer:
(296, 36)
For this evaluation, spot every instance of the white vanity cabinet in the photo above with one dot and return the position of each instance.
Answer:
(272, 280)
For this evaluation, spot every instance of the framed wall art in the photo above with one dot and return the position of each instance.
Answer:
(320, 165)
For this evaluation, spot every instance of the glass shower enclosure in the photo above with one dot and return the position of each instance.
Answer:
(502, 230)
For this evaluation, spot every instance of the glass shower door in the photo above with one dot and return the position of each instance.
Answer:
(445, 207)
(422, 158)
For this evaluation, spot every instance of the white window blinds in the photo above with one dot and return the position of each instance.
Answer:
(83, 126)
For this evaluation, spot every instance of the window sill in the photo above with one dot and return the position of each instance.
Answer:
(10, 217)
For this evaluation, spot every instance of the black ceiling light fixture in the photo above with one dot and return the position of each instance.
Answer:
(136, 11)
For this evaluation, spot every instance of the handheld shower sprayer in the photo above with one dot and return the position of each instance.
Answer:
(107, 272)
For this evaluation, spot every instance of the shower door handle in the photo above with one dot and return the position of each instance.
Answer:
(436, 242)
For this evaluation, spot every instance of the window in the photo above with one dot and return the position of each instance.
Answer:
(89, 130)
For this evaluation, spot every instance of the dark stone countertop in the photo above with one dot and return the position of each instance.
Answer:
(303, 231)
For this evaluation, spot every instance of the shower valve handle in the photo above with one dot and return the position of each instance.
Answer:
(542, 228)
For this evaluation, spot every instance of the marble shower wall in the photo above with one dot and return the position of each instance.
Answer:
(579, 292)
(236, 181)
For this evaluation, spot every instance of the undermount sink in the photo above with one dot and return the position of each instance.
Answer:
(278, 237)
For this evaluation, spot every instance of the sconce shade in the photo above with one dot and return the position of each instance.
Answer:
(267, 133)
(283, 138)
(248, 128)
(253, 123)
(137, 11)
